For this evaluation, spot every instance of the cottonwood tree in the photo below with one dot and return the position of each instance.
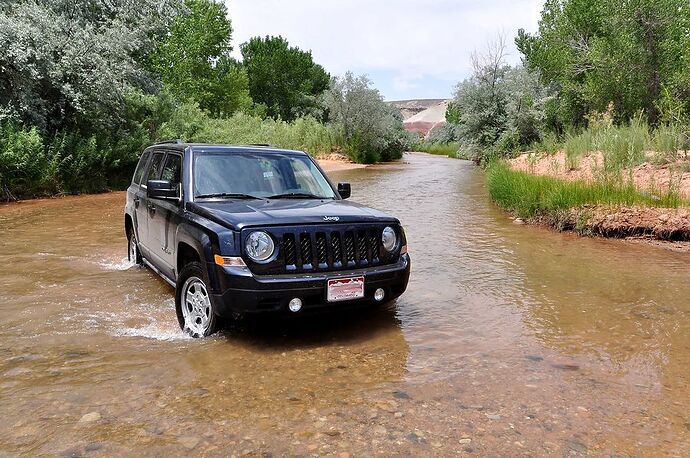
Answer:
(283, 78)
(193, 60)
(602, 51)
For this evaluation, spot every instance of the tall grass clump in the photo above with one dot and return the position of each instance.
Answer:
(530, 195)
(623, 146)
(549, 144)
(577, 146)
(665, 140)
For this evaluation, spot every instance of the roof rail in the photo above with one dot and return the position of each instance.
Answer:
(268, 145)
(168, 142)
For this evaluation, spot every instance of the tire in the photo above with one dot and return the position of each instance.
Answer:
(133, 253)
(196, 312)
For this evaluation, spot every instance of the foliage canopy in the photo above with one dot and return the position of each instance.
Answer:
(284, 79)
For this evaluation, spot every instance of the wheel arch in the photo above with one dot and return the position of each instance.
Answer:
(129, 224)
(193, 244)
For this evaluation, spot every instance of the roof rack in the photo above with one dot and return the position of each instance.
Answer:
(168, 142)
(268, 145)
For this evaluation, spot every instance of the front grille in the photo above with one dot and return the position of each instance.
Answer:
(324, 248)
(321, 250)
(316, 248)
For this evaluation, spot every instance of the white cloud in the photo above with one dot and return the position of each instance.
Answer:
(407, 40)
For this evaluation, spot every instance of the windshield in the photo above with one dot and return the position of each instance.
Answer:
(258, 175)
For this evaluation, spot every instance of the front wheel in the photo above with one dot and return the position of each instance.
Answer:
(195, 311)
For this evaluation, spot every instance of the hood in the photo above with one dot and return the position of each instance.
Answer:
(236, 214)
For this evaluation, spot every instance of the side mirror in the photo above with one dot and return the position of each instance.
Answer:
(345, 190)
(161, 189)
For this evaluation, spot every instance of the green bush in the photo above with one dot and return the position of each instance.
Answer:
(22, 159)
(372, 129)
(191, 124)
(577, 146)
(32, 165)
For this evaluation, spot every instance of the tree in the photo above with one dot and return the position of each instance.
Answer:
(481, 100)
(602, 51)
(285, 79)
(372, 129)
(66, 64)
(193, 60)
(499, 107)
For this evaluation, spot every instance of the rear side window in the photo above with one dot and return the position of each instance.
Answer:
(141, 167)
(155, 168)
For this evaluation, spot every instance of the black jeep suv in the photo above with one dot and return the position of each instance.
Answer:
(248, 229)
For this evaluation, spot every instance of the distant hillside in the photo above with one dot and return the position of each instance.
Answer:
(411, 107)
(423, 115)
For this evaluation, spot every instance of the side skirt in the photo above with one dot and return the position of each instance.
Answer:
(160, 274)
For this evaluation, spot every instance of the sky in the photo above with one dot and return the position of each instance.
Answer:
(410, 49)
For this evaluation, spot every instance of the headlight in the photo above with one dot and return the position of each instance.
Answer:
(259, 246)
(389, 239)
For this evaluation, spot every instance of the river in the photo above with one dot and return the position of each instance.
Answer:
(510, 340)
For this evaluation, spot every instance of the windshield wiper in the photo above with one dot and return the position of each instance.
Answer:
(296, 195)
(227, 195)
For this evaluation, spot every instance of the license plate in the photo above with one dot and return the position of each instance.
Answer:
(345, 289)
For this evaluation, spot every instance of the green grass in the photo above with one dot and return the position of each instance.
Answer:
(440, 149)
(624, 147)
(550, 144)
(577, 146)
(530, 195)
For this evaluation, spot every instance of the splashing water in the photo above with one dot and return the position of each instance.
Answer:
(122, 264)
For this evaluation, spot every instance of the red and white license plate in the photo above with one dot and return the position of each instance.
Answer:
(345, 289)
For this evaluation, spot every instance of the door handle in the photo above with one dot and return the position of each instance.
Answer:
(136, 202)
(151, 207)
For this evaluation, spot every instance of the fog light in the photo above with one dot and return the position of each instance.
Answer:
(379, 294)
(295, 305)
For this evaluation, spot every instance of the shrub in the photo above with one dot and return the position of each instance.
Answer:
(666, 141)
(34, 165)
(371, 129)
(22, 159)
(446, 133)
(189, 123)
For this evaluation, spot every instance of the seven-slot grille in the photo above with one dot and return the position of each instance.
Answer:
(324, 248)
(330, 250)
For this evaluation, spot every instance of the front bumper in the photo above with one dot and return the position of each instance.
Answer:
(245, 293)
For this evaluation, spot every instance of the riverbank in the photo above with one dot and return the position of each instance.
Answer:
(651, 176)
(337, 163)
(648, 202)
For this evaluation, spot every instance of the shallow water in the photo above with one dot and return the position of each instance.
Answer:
(510, 340)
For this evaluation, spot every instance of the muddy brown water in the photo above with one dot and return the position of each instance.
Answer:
(510, 340)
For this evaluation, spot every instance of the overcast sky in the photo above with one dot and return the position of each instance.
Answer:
(409, 48)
